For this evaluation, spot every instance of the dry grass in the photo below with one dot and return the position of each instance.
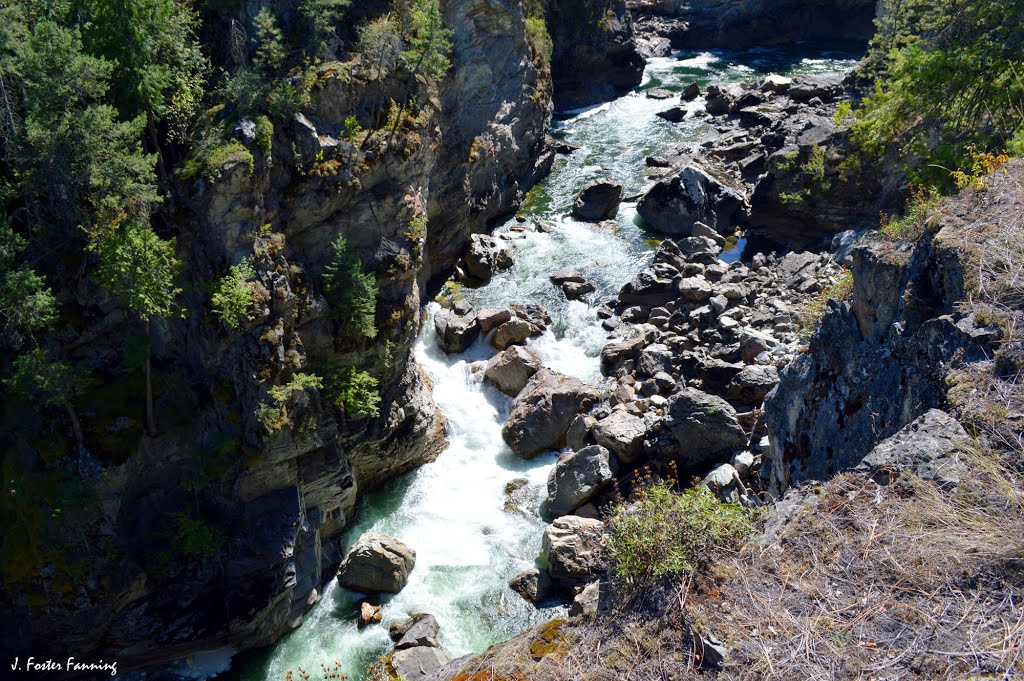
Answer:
(870, 582)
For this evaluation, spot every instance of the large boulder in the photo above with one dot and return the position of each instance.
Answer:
(543, 411)
(703, 426)
(416, 663)
(532, 584)
(376, 564)
(456, 328)
(511, 369)
(598, 200)
(576, 478)
(571, 546)
(928, 446)
(423, 632)
(654, 285)
(623, 434)
(512, 332)
(751, 384)
(698, 193)
(615, 353)
(485, 256)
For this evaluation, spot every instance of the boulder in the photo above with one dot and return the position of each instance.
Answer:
(511, 369)
(622, 433)
(775, 83)
(576, 478)
(676, 114)
(927, 447)
(654, 285)
(562, 276)
(535, 314)
(654, 359)
(703, 426)
(719, 101)
(369, 614)
(577, 290)
(699, 192)
(598, 200)
(590, 600)
(615, 353)
(486, 255)
(423, 632)
(571, 547)
(695, 289)
(724, 482)
(376, 564)
(751, 384)
(578, 435)
(543, 411)
(456, 329)
(691, 92)
(533, 585)
(513, 332)
(491, 318)
(416, 663)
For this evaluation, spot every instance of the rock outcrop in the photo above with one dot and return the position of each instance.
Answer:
(576, 478)
(376, 564)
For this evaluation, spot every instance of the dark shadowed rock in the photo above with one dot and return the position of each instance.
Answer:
(928, 446)
(703, 426)
(673, 115)
(543, 411)
(376, 564)
(699, 192)
(456, 329)
(751, 384)
(485, 256)
(598, 200)
(533, 585)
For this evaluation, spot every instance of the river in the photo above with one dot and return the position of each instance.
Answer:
(470, 538)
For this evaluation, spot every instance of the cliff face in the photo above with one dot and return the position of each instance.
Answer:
(595, 55)
(925, 319)
(276, 484)
(727, 23)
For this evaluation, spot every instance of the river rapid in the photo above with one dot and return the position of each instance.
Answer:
(469, 535)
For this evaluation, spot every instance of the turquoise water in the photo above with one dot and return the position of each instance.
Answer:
(453, 512)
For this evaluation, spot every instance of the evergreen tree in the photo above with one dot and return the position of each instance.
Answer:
(140, 269)
(27, 305)
(351, 292)
(49, 382)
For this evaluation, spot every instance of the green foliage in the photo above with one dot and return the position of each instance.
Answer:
(44, 380)
(949, 80)
(352, 129)
(140, 268)
(351, 292)
(354, 392)
(323, 17)
(232, 298)
(815, 309)
(207, 159)
(1015, 146)
(664, 535)
(270, 51)
(196, 538)
(299, 382)
(274, 416)
(427, 40)
(73, 160)
(842, 113)
(26, 304)
(264, 135)
(541, 45)
(910, 225)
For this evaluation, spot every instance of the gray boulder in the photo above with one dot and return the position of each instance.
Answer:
(725, 483)
(703, 426)
(577, 290)
(576, 478)
(591, 599)
(511, 369)
(512, 332)
(623, 434)
(416, 663)
(927, 447)
(533, 585)
(376, 564)
(655, 358)
(615, 353)
(598, 200)
(543, 411)
(654, 285)
(751, 384)
(571, 546)
(423, 632)
(698, 193)
(491, 318)
(456, 329)
(485, 256)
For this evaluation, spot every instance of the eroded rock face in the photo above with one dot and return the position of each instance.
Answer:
(928, 446)
(872, 365)
(456, 329)
(576, 478)
(543, 411)
(412, 664)
(595, 57)
(376, 564)
(486, 256)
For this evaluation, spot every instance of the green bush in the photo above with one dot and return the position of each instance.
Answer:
(208, 161)
(816, 307)
(232, 297)
(665, 535)
(539, 39)
(354, 392)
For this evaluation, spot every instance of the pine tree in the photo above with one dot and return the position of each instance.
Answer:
(351, 292)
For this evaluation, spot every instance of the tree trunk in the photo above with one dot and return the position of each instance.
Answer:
(150, 419)
(76, 425)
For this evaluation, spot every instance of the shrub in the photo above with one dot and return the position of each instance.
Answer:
(665, 535)
(910, 225)
(815, 308)
(539, 39)
(233, 296)
(354, 392)
(208, 161)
